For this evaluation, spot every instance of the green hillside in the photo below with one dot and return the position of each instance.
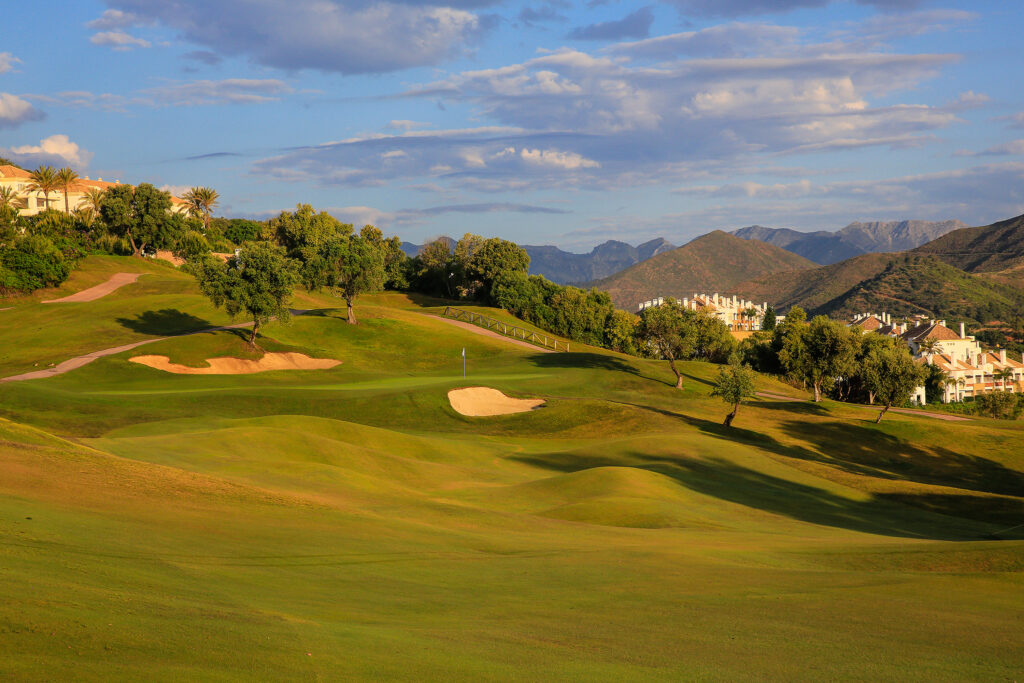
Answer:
(989, 248)
(714, 262)
(813, 287)
(914, 284)
(348, 524)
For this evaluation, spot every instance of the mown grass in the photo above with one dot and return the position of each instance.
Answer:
(347, 524)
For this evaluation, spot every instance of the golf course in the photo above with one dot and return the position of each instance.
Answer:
(330, 505)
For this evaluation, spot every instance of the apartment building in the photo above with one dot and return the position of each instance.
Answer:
(739, 315)
(33, 202)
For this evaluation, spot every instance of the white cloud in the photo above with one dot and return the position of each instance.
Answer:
(114, 19)
(118, 40)
(1011, 148)
(556, 159)
(176, 190)
(14, 111)
(227, 91)
(344, 36)
(56, 150)
(7, 62)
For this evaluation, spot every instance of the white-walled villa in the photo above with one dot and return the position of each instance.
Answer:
(738, 314)
(971, 370)
(34, 202)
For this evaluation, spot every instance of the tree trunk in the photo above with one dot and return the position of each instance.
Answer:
(679, 377)
(351, 311)
(817, 392)
(131, 239)
(67, 209)
(879, 418)
(255, 331)
(871, 398)
(731, 416)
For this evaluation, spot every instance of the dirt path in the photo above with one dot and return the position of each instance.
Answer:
(115, 282)
(904, 411)
(79, 361)
(490, 333)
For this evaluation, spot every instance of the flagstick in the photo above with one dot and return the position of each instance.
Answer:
(463, 362)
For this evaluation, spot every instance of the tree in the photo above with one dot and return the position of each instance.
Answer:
(620, 332)
(200, 202)
(258, 281)
(352, 264)
(192, 247)
(495, 256)
(304, 232)
(768, 322)
(735, 382)
(433, 266)
(930, 346)
(44, 179)
(93, 199)
(142, 214)
(712, 340)
(831, 349)
(9, 198)
(85, 215)
(790, 344)
(66, 177)
(892, 376)
(1004, 376)
(669, 331)
(395, 260)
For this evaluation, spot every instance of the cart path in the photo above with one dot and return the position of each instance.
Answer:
(904, 411)
(490, 333)
(116, 281)
(79, 361)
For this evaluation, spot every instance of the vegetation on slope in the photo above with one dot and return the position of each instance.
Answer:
(812, 288)
(921, 284)
(989, 248)
(714, 262)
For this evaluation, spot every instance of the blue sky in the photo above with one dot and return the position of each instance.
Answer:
(546, 122)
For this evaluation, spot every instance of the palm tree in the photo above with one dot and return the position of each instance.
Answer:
(9, 198)
(961, 384)
(200, 201)
(66, 176)
(85, 215)
(93, 198)
(44, 179)
(930, 346)
(1004, 375)
(950, 382)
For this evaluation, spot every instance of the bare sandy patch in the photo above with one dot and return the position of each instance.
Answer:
(484, 401)
(116, 281)
(240, 366)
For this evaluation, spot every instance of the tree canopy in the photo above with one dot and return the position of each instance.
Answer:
(257, 282)
(735, 382)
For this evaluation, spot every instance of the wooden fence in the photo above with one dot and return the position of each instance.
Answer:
(503, 328)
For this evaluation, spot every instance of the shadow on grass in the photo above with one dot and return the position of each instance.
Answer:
(794, 406)
(892, 514)
(166, 322)
(587, 361)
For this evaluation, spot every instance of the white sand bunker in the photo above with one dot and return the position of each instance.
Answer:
(483, 401)
(240, 366)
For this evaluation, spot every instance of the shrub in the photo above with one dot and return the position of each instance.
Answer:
(1000, 405)
(30, 263)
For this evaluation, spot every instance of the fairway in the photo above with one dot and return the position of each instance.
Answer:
(348, 522)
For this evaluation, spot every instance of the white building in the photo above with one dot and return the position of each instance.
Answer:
(739, 315)
(33, 202)
(971, 370)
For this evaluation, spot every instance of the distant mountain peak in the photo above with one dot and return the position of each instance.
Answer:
(827, 247)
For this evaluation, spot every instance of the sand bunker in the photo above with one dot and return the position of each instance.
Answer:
(240, 366)
(483, 401)
(115, 282)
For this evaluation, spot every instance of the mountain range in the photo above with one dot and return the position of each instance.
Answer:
(973, 274)
(715, 262)
(565, 267)
(825, 247)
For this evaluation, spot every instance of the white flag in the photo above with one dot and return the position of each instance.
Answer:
(463, 351)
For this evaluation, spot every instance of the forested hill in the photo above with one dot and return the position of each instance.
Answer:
(714, 262)
(986, 249)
